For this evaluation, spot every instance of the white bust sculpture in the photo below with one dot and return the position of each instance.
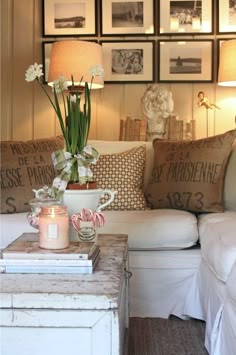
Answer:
(157, 105)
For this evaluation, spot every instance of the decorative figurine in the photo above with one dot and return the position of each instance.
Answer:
(157, 105)
(203, 101)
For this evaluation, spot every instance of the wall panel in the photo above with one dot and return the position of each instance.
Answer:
(23, 53)
(44, 118)
(6, 69)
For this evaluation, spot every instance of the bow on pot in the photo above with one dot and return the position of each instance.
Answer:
(66, 162)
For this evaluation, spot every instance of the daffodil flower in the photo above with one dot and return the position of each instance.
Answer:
(60, 84)
(96, 70)
(33, 72)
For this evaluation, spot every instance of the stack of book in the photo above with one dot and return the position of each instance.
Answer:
(25, 256)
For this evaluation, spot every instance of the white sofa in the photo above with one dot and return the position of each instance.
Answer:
(165, 257)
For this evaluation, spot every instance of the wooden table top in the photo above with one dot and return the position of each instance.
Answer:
(100, 290)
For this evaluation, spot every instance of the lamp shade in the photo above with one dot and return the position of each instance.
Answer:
(227, 68)
(75, 58)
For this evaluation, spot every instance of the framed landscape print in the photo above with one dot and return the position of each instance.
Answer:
(128, 62)
(127, 17)
(185, 61)
(226, 16)
(185, 17)
(69, 18)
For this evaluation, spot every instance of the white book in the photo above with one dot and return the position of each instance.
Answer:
(27, 247)
(46, 269)
(49, 262)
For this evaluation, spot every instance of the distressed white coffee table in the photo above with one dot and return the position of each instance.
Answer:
(67, 314)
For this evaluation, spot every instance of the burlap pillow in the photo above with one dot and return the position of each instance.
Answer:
(124, 173)
(25, 166)
(189, 175)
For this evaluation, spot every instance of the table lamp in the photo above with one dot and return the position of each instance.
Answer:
(227, 67)
(75, 58)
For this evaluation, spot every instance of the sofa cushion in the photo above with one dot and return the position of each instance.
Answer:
(124, 173)
(25, 166)
(12, 226)
(229, 193)
(153, 229)
(218, 246)
(211, 218)
(189, 175)
(147, 230)
(111, 147)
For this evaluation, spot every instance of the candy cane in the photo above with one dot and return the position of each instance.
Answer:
(98, 219)
(88, 215)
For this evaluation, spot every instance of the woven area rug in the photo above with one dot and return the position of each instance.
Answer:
(173, 336)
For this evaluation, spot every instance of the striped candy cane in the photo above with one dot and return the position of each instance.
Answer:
(87, 215)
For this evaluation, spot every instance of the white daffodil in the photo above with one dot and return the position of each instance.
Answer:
(97, 70)
(34, 71)
(60, 84)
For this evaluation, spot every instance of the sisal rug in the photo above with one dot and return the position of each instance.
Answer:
(173, 336)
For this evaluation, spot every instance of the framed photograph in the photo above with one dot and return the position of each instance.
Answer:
(185, 61)
(69, 18)
(127, 17)
(128, 62)
(226, 16)
(185, 17)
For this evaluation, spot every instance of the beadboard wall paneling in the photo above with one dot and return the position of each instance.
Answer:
(23, 53)
(44, 119)
(109, 109)
(27, 114)
(6, 69)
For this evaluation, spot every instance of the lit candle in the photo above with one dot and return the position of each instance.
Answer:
(53, 227)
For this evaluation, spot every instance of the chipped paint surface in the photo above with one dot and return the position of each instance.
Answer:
(100, 290)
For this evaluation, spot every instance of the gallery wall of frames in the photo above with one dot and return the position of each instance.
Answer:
(145, 41)
(172, 43)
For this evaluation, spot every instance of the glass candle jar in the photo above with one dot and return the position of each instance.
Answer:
(53, 227)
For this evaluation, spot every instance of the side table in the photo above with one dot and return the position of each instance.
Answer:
(68, 314)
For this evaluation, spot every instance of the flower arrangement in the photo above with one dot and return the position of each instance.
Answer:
(74, 161)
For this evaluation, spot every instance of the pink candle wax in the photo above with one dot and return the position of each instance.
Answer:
(53, 227)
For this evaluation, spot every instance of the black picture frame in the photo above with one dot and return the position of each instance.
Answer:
(68, 18)
(128, 61)
(185, 61)
(185, 17)
(226, 17)
(134, 18)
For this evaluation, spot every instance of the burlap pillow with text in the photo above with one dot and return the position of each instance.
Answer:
(124, 173)
(25, 166)
(189, 175)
